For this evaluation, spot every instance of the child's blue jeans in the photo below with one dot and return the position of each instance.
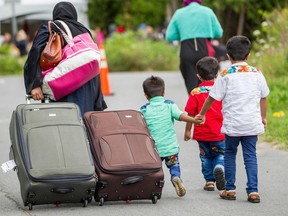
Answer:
(212, 156)
(250, 160)
(172, 163)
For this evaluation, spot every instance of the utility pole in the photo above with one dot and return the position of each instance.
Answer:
(13, 19)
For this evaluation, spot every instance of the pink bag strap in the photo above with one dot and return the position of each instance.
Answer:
(68, 38)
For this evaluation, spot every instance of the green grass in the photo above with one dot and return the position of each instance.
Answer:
(276, 131)
(274, 67)
(270, 54)
(277, 115)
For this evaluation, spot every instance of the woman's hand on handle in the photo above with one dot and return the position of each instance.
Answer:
(37, 93)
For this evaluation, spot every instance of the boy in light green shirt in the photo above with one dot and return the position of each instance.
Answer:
(160, 114)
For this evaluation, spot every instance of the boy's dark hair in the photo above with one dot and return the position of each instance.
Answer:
(153, 86)
(238, 47)
(207, 68)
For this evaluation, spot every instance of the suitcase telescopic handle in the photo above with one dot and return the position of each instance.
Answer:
(29, 97)
(62, 190)
(132, 180)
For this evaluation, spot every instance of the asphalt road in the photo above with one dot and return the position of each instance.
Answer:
(128, 94)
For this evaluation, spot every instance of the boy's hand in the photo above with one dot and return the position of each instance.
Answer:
(187, 135)
(200, 118)
(264, 121)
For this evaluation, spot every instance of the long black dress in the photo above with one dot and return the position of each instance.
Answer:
(88, 97)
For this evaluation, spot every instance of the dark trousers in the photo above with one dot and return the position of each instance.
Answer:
(190, 53)
(188, 71)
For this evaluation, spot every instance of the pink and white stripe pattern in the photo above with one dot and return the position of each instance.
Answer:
(80, 63)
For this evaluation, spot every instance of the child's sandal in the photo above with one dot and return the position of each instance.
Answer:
(254, 197)
(228, 194)
(209, 186)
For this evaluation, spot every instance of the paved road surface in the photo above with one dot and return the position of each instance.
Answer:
(127, 89)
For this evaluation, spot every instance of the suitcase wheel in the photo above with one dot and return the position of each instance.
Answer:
(101, 201)
(85, 203)
(30, 206)
(154, 199)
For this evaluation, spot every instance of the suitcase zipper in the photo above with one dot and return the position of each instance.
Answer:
(39, 108)
(127, 171)
(117, 172)
(60, 179)
(63, 179)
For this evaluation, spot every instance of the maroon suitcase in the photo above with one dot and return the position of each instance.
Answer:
(125, 157)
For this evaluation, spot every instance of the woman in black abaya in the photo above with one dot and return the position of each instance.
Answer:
(88, 97)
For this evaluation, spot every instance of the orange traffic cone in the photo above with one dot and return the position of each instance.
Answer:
(105, 86)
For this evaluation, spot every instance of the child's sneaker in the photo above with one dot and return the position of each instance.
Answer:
(228, 194)
(209, 186)
(254, 197)
(179, 187)
(219, 177)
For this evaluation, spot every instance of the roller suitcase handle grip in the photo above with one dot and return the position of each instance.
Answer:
(62, 190)
(132, 180)
(29, 97)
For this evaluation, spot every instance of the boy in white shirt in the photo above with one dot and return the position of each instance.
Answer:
(243, 91)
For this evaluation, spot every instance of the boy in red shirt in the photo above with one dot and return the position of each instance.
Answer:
(211, 141)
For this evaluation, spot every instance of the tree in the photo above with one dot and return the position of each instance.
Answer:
(102, 13)
(171, 7)
(128, 13)
(236, 16)
(242, 16)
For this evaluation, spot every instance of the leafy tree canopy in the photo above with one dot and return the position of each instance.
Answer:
(127, 13)
(236, 16)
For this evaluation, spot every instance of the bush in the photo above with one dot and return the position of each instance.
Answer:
(4, 50)
(270, 53)
(9, 64)
(132, 52)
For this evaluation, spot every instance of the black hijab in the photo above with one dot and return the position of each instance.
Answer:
(64, 11)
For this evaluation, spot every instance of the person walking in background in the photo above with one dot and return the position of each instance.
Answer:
(88, 97)
(21, 42)
(210, 140)
(194, 25)
(99, 36)
(7, 39)
(243, 91)
(160, 114)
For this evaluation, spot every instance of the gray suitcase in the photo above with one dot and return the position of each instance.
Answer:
(52, 154)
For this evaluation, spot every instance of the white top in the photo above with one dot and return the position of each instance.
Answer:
(240, 88)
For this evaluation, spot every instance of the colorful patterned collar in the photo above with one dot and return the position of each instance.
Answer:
(201, 89)
(238, 68)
